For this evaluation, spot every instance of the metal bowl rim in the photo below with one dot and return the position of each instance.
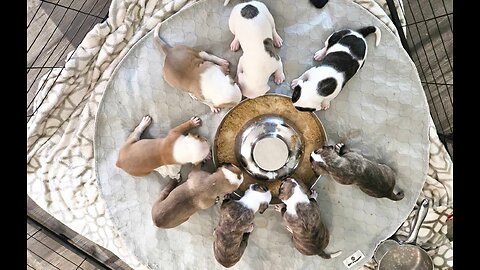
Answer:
(214, 146)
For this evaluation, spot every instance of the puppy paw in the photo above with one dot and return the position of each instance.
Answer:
(227, 196)
(278, 207)
(146, 121)
(225, 66)
(250, 228)
(235, 45)
(325, 105)
(192, 96)
(277, 40)
(215, 109)
(195, 121)
(294, 83)
(338, 147)
(320, 54)
(313, 194)
(208, 157)
(279, 78)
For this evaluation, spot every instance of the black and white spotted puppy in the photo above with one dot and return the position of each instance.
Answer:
(341, 58)
(254, 30)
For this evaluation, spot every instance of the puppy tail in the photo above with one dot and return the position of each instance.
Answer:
(371, 29)
(319, 3)
(159, 41)
(329, 255)
(397, 196)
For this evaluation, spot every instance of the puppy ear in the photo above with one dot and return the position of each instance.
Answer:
(263, 207)
(297, 91)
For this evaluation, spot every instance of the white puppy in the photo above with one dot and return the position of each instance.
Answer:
(341, 58)
(254, 30)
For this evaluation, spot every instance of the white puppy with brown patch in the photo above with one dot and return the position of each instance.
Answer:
(254, 30)
(236, 223)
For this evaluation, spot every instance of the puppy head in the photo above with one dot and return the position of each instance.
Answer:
(309, 93)
(304, 99)
(198, 147)
(232, 173)
(259, 193)
(288, 188)
(319, 158)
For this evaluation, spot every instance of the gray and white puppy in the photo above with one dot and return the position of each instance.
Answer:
(348, 167)
(341, 58)
(301, 217)
(236, 223)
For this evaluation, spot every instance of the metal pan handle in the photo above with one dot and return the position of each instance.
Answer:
(419, 218)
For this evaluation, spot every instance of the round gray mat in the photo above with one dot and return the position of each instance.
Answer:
(381, 112)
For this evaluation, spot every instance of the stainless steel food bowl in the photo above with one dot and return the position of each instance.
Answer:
(272, 133)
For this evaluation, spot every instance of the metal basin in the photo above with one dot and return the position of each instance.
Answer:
(269, 140)
(269, 147)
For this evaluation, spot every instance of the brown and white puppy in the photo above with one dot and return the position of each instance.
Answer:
(200, 191)
(254, 30)
(301, 217)
(140, 157)
(236, 223)
(204, 76)
(347, 168)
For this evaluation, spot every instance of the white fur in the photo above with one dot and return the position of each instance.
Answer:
(255, 66)
(217, 88)
(172, 171)
(309, 82)
(187, 149)
(297, 197)
(309, 97)
(232, 177)
(317, 157)
(252, 199)
(378, 36)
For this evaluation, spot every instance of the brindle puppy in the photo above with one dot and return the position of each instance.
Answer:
(301, 217)
(236, 223)
(347, 168)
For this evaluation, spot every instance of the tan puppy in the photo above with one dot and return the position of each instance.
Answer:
(140, 157)
(236, 223)
(204, 76)
(178, 202)
(301, 217)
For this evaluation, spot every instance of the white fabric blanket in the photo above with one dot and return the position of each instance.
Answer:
(60, 172)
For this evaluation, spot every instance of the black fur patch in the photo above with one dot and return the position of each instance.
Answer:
(335, 37)
(305, 109)
(249, 12)
(355, 44)
(326, 86)
(319, 3)
(270, 49)
(297, 92)
(342, 62)
(365, 31)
